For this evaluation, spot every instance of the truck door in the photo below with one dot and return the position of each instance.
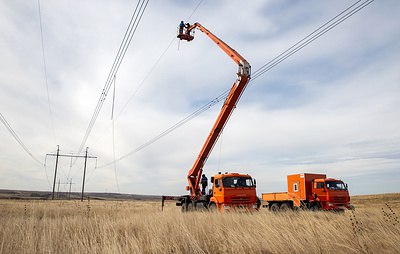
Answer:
(320, 191)
(218, 190)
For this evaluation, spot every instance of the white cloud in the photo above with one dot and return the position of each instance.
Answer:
(331, 108)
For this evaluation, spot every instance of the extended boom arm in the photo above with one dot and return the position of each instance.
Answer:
(243, 77)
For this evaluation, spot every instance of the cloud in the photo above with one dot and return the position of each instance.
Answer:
(331, 108)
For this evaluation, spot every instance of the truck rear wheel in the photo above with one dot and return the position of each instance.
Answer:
(284, 207)
(274, 207)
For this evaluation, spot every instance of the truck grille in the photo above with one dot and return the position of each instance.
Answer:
(240, 200)
(339, 199)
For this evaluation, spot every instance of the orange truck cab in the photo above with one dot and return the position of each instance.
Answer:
(310, 191)
(229, 192)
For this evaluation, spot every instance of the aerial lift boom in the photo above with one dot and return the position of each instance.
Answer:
(243, 77)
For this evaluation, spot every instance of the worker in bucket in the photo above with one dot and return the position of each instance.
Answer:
(204, 183)
(181, 26)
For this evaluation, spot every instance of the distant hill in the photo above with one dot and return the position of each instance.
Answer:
(43, 195)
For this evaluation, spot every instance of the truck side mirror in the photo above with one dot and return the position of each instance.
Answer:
(212, 179)
(346, 187)
(254, 182)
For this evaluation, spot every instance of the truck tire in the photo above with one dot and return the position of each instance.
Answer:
(212, 207)
(274, 207)
(284, 207)
(191, 207)
(184, 207)
(316, 207)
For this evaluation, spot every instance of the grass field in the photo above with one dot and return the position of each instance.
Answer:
(141, 227)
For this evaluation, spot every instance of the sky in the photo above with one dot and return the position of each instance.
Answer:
(332, 108)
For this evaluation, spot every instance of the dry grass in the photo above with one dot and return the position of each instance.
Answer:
(141, 227)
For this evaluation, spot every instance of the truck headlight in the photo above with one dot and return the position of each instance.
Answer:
(330, 204)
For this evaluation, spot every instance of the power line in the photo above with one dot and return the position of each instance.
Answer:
(348, 12)
(7, 125)
(113, 140)
(195, 9)
(151, 70)
(15, 136)
(155, 64)
(133, 24)
(174, 127)
(45, 72)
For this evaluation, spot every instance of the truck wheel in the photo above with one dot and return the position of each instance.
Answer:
(274, 207)
(184, 207)
(190, 207)
(212, 207)
(284, 207)
(316, 207)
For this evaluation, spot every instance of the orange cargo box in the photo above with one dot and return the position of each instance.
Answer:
(276, 196)
(299, 188)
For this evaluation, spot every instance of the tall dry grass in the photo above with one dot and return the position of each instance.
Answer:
(141, 227)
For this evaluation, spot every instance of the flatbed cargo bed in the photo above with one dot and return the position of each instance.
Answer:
(275, 196)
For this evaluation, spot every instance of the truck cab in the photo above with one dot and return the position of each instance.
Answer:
(232, 191)
(330, 194)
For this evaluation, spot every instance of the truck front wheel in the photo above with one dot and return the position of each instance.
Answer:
(316, 207)
(212, 207)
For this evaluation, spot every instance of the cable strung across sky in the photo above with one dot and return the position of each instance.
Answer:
(338, 19)
(45, 73)
(347, 13)
(7, 125)
(130, 32)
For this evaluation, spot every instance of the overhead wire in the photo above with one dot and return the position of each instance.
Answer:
(130, 32)
(113, 138)
(195, 9)
(342, 16)
(126, 41)
(45, 72)
(142, 83)
(174, 127)
(47, 86)
(19, 141)
(155, 65)
(348, 12)
(146, 77)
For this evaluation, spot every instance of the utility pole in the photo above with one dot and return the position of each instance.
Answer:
(55, 171)
(84, 173)
(69, 156)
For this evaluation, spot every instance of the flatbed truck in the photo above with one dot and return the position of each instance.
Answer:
(310, 191)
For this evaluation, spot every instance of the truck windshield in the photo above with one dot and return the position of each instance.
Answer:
(237, 182)
(335, 186)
